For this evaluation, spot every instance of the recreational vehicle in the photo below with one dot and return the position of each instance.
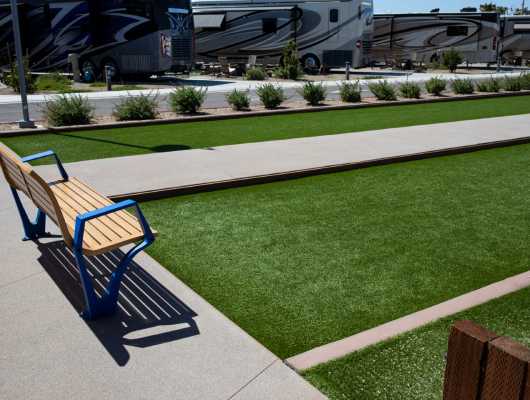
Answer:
(327, 32)
(131, 36)
(424, 37)
(515, 43)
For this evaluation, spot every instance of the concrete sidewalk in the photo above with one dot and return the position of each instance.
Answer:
(166, 342)
(179, 169)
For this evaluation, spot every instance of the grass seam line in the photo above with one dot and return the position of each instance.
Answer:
(343, 347)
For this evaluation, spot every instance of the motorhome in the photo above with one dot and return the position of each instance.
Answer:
(131, 36)
(515, 43)
(327, 32)
(424, 37)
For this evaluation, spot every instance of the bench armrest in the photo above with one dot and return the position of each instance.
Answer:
(83, 218)
(49, 153)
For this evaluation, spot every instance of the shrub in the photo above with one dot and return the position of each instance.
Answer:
(290, 67)
(525, 81)
(451, 58)
(512, 84)
(383, 90)
(491, 85)
(255, 74)
(463, 86)
(144, 106)
(350, 92)
(313, 93)
(53, 82)
(10, 78)
(238, 99)
(65, 110)
(410, 90)
(271, 96)
(187, 100)
(435, 86)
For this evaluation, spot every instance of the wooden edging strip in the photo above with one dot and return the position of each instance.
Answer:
(281, 176)
(250, 114)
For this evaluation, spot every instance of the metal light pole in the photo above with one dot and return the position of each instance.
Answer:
(26, 122)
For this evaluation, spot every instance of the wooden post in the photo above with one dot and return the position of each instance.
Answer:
(468, 346)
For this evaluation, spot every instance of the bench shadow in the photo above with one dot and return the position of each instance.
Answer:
(148, 313)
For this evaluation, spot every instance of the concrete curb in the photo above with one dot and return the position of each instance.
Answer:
(294, 174)
(410, 322)
(249, 114)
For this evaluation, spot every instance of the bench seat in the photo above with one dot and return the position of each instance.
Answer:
(101, 234)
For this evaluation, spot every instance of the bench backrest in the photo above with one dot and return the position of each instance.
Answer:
(21, 176)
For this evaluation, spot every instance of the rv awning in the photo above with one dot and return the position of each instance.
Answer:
(521, 27)
(208, 20)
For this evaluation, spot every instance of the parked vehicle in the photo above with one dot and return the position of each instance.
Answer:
(515, 43)
(131, 36)
(424, 37)
(327, 32)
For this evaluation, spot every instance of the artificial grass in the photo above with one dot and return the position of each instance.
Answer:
(302, 263)
(412, 365)
(77, 146)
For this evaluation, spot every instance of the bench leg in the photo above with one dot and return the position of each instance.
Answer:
(32, 230)
(107, 304)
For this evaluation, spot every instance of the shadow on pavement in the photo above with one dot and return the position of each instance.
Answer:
(148, 313)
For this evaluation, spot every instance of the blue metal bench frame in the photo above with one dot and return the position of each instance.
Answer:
(107, 303)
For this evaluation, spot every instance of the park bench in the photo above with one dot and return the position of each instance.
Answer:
(90, 223)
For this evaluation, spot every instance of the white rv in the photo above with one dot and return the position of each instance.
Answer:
(515, 43)
(424, 37)
(327, 32)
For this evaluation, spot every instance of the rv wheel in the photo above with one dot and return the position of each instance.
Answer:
(310, 62)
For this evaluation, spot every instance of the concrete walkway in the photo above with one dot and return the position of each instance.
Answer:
(166, 342)
(181, 169)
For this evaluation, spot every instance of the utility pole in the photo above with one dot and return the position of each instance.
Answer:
(26, 122)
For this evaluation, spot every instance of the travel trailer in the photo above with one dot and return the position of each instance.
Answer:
(424, 37)
(327, 32)
(131, 36)
(515, 43)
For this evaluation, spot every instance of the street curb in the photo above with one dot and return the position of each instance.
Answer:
(295, 174)
(250, 114)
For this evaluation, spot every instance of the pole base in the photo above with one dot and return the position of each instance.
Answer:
(26, 124)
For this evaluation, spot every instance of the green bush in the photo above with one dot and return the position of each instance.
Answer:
(383, 90)
(313, 93)
(255, 74)
(144, 106)
(66, 110)
(463, 86)
(525, 81)
(410, 90)
(53, 82)
(350, 92)
(10, 78)
(187, 100)
(512, 84)
(492, 85)
(435, 86)
(238, 99)
(451, 58)
(290, 67)
(271, 96)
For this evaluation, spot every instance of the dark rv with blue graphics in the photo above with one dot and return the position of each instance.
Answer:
(132, 36)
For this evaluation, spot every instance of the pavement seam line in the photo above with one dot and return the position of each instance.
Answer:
(343, 347)
(252, 379)
(20, 280)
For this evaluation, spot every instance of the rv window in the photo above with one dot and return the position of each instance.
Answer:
(457, 30)
(334, 15)
(270, 25)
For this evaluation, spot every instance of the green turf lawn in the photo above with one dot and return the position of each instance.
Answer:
(412, 366)
(302, 263)
(128, 141)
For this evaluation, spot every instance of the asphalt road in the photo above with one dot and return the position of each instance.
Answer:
(12, 112)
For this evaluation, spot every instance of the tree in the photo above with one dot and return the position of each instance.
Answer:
(435, 10)
(492, 7)
(451, 58)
